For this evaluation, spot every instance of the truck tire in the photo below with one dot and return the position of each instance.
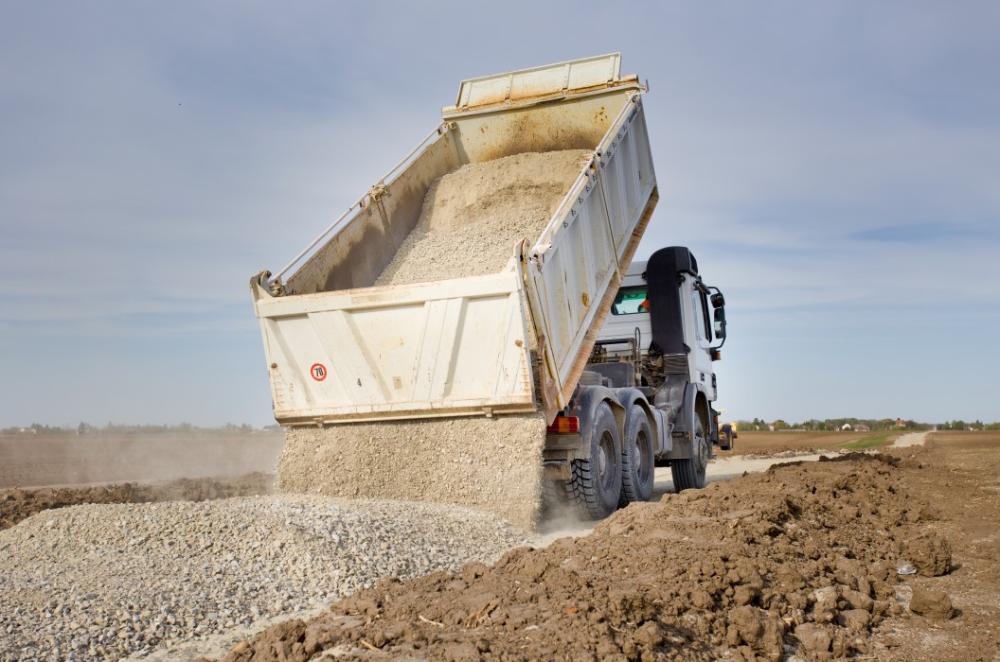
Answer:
(726, 441)
(637, 458)
(596, 484)
(689, 474)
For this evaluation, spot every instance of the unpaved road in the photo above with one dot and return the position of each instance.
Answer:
(732, 466)
(911, 439)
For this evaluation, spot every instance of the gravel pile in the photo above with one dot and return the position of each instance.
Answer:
(105, 581)
(472, 217)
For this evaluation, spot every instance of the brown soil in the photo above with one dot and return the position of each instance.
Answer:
(959, 473)
(801, 558)
(471, 218)
(18, 504)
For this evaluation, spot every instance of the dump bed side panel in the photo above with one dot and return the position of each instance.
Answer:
(576, 266)
(439, 349)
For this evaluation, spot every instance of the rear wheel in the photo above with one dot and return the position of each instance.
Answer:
(597, 482)
(690, 474)
(637, 458)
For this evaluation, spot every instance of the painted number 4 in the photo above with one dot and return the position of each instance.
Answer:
(318, 371)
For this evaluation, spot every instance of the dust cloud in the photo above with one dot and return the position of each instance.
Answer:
(37, 460)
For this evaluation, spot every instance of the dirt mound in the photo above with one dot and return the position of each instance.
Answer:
(18, 504)
(472, 217)
(799, 558)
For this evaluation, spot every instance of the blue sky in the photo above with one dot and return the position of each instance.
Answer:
(834, 166)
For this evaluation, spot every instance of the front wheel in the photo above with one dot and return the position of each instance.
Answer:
(690, 473)
(597, 481)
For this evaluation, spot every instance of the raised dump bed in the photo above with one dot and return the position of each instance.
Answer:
(511, 340)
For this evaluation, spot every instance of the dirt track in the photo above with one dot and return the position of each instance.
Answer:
(801, 558)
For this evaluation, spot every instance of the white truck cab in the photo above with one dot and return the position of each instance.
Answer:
(645, 397)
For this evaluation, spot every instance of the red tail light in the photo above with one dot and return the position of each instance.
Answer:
(565, 425)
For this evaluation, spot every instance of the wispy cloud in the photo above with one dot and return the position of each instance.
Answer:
(914, 233)
(823, 161)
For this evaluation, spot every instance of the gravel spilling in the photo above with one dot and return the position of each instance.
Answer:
(472, 217)
(111, 580)
(492, 464)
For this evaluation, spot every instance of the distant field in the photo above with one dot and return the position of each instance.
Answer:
(988, 438)
(45, 460)
(767, 443)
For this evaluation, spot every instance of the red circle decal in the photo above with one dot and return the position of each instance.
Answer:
(318, 371)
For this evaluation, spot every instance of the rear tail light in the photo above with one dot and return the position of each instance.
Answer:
(565, 425)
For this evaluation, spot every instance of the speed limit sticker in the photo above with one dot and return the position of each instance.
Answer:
(317, 371)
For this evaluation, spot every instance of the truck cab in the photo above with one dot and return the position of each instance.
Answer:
(645, 397)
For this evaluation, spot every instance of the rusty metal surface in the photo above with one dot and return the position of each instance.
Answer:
(538, 82)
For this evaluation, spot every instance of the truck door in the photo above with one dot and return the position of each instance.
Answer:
(698, 328)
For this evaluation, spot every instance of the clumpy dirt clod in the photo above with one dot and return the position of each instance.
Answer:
(494, 464)
(930, 603)
(472, 217)
(800, 558)
(930, 553)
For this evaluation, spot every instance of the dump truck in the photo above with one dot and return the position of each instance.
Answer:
(571, 368)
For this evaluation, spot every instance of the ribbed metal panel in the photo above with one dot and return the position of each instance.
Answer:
(675, 364)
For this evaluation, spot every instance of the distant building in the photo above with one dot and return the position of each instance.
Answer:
(900, 423)
(861, 427)
(846, 427)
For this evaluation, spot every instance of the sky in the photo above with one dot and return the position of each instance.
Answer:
(835, 168)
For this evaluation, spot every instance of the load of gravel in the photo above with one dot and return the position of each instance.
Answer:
(493, 464)
(472, 217)
(105, 581)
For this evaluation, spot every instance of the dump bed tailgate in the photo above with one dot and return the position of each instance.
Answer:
(433, 349)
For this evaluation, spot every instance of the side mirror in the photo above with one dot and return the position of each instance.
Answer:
(720, 319)
(718, 301)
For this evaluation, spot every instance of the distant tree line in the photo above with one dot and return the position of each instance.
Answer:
(974, 425)
(833, 424)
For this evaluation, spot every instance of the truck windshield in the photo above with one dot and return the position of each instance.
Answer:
(629, 301)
